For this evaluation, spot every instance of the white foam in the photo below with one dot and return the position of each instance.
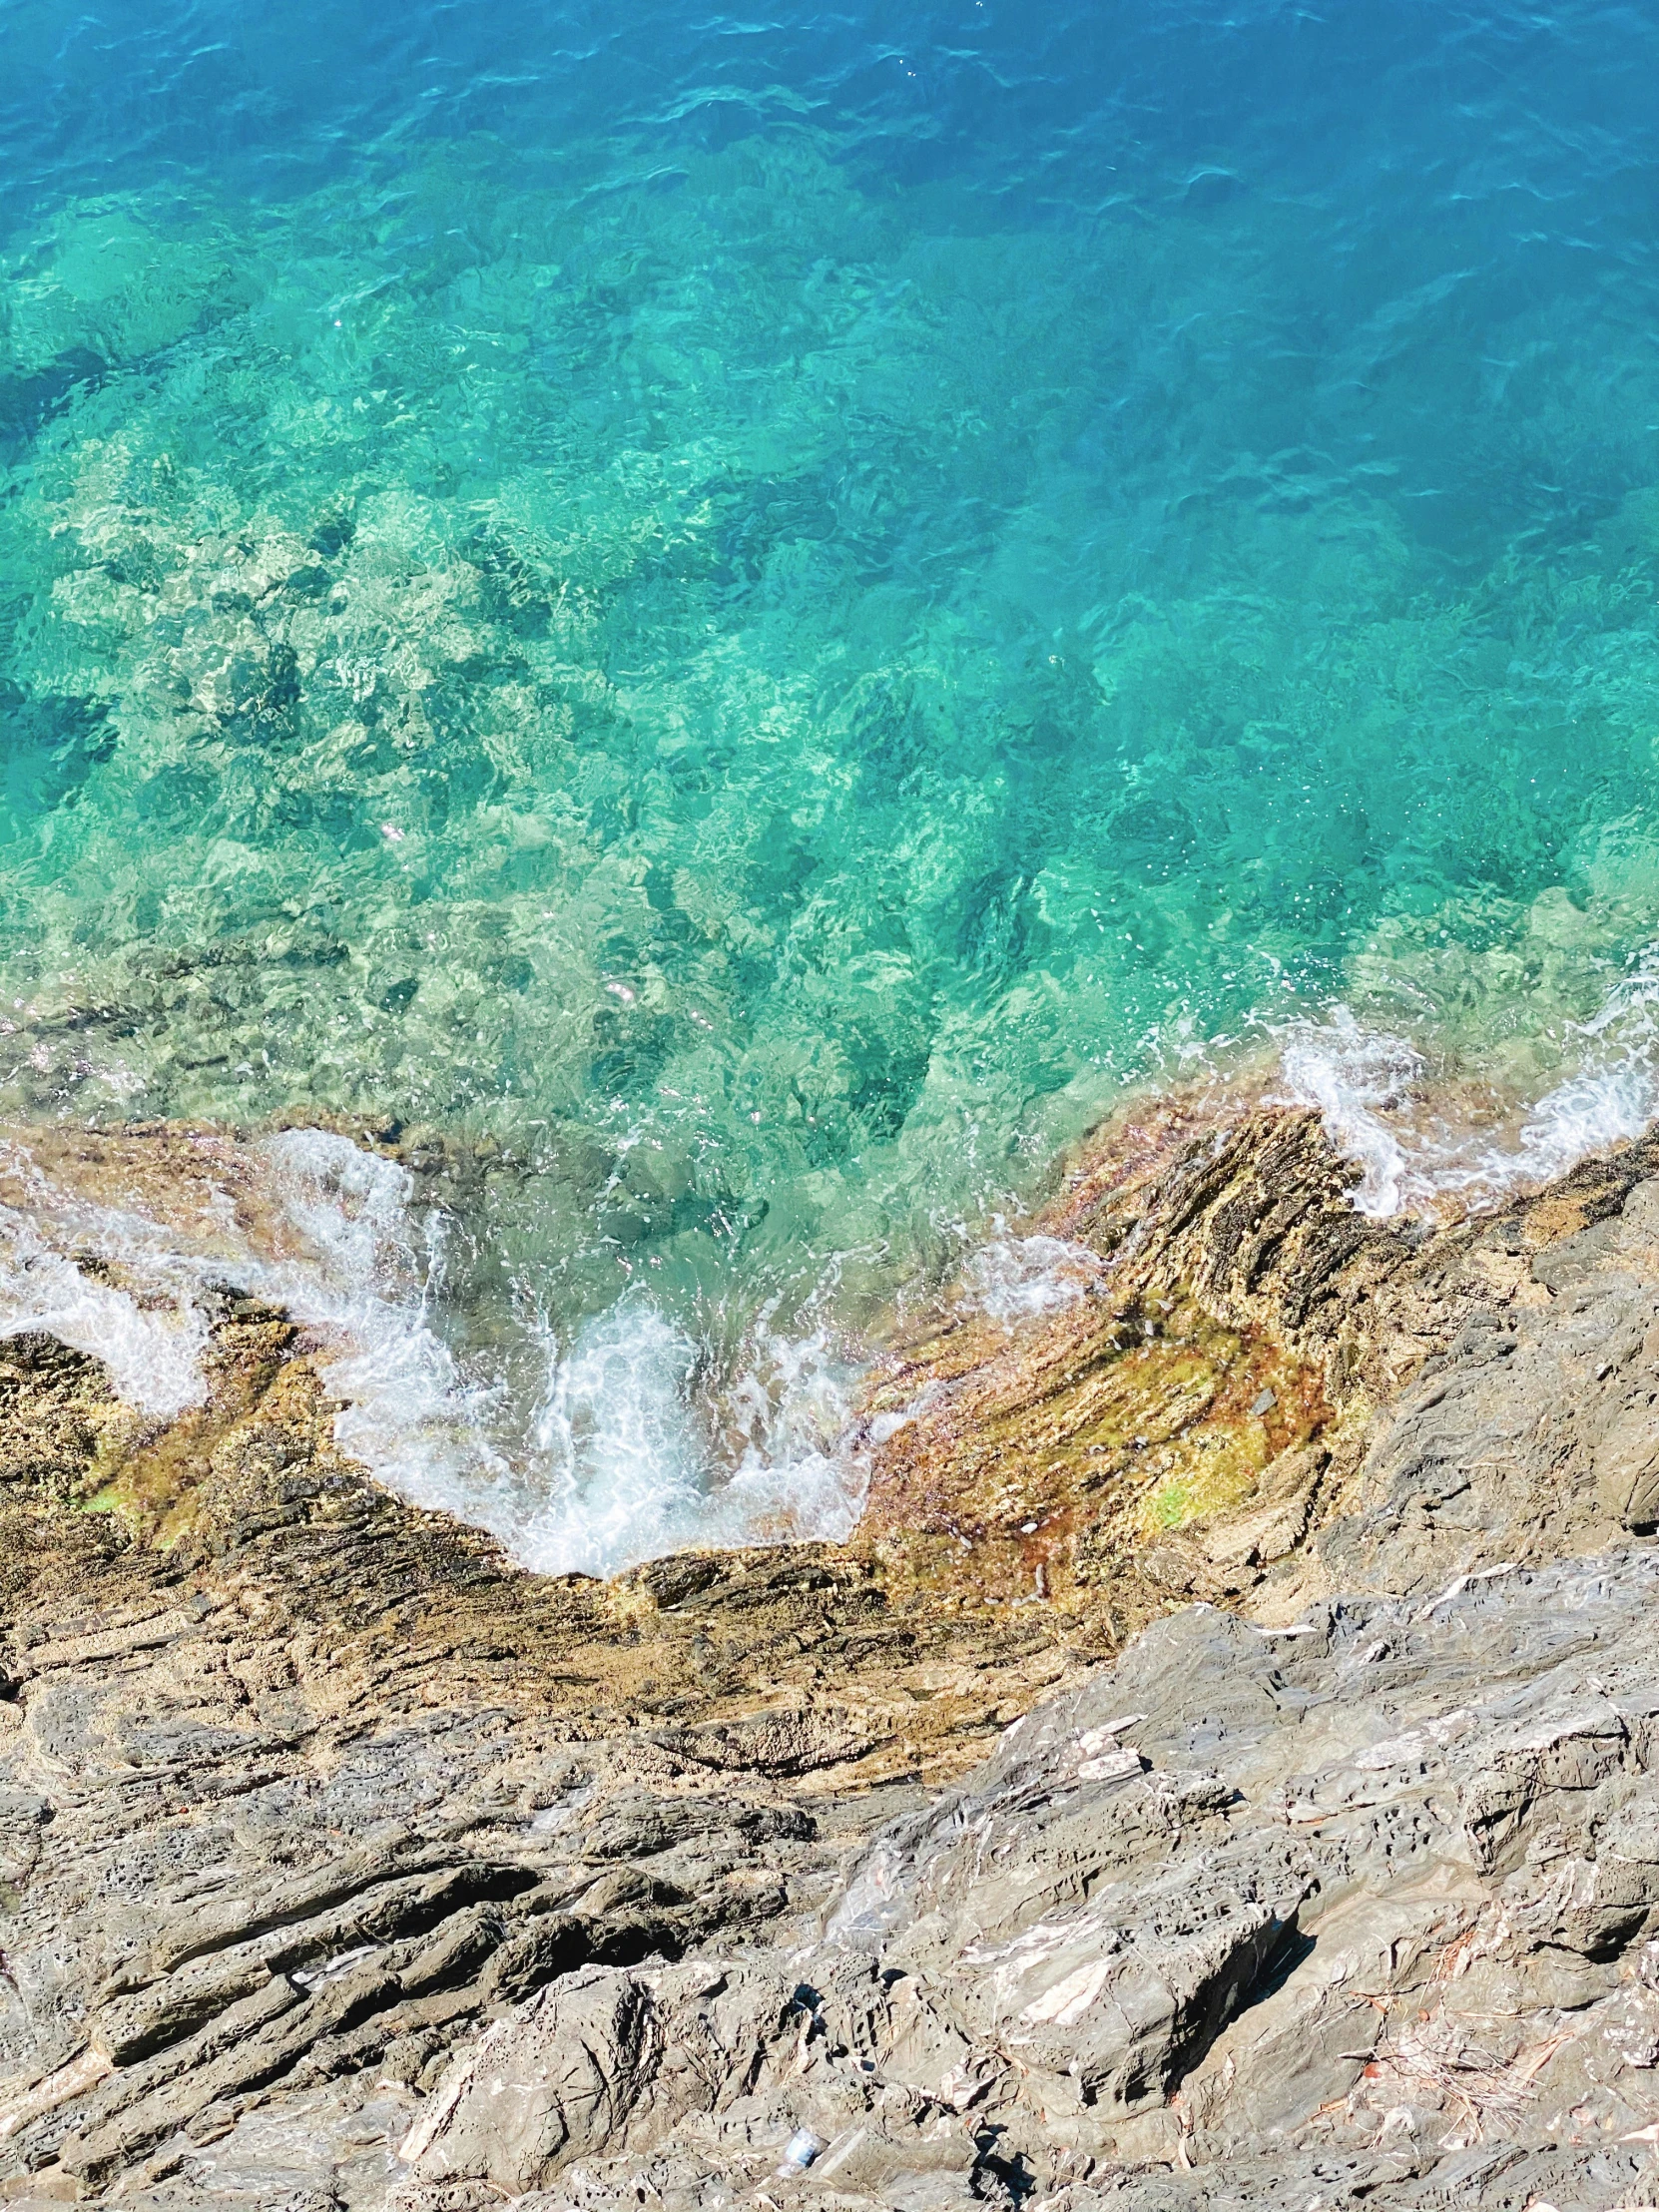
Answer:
(358, 1273)
(1368, 1086)
(1019, 1279)
(804, 1467)
(149, 1326)
(619, 1461)
(632, 1451)
(627, 1442)
(365, 1278)
(151, 1343)
(1353, 1076)
(616, 1445)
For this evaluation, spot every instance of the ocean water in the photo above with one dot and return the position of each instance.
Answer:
(742, 620)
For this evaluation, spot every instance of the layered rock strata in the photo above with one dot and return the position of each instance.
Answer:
(1292, 1571)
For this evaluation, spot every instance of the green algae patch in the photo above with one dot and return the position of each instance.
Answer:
(1082, 1439)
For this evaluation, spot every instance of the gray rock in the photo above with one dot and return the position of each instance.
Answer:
(1358, 1906)
(1350, 1910)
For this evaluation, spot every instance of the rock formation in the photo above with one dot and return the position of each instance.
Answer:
(1220, 1772)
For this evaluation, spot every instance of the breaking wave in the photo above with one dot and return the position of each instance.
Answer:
(1423, 1142)
(633, 1450)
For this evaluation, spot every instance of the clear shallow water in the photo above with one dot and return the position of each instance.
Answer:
(754, 615)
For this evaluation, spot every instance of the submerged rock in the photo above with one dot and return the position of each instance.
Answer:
(342, 1863)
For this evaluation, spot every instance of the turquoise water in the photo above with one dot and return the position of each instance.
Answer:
(746, 619)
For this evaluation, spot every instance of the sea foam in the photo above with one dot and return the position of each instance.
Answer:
(1384, 1109)
(632, 1450)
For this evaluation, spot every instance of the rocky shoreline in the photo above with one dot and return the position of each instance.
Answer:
(1219, 1771)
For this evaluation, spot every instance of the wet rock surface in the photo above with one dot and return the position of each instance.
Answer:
(1304, 1845)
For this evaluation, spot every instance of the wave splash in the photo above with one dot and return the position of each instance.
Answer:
(633, 1450)
(633, 1462)
(1018, 1278)
(151, 1338)
(1422, 1145)
(621, 1459)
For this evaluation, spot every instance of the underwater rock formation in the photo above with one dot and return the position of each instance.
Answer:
(1218, 1771)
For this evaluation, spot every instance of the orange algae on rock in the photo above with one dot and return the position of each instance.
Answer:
(1151, 1413)
(1193, 1412)
(1061, 1445)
